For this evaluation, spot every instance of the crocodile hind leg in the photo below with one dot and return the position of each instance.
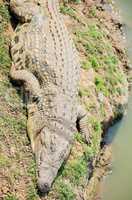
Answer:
(34, 121)
(82, 122)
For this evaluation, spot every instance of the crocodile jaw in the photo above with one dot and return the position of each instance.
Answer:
(50, 162)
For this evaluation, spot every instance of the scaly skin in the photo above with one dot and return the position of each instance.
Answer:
(45, 60)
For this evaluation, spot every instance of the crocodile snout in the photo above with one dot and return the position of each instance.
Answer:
(50, 158)
(43, 186)
(46, 172)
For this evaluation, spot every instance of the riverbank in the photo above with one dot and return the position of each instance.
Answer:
(113, 188)
(97, 33)
(105, 67)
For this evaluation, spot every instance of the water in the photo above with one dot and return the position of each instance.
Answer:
(118, 186)
(125, 7)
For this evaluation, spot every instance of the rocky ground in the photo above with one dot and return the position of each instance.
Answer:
(97, 32)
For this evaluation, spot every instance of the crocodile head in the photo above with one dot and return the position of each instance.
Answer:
(54, 152)
(51, 143)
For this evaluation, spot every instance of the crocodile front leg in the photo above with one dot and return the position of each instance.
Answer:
(24, 10)
(29, 80)
(82, 120)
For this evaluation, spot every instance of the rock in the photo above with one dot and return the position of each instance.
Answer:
(105, 156)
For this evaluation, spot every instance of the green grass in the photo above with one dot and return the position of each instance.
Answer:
(4, 13)
(75, 1)
(93, 43)
(32, 171)
(76, 171)
(100, 55)
(4, 160)
(16, 158)
(92, 11)
(79, 138)
(67, 10)
(73, 174)
(96, 134)
(10, 197)
(64, 190)
(94, 63)
(16, 126)
(83, 92)
(31, 193)
(100, 83)
(4, 53)
(88, 150)
(86, 64)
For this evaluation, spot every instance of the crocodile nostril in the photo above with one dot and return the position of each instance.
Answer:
(43, 187)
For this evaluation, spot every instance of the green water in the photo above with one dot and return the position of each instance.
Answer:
(125, 7)
(118, 185)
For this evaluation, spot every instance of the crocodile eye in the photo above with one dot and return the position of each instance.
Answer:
(16, 39)
(31, 113)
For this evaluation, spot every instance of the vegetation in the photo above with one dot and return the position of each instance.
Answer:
(97, 54)
(75, 1)
(101, 57)
(4, 55)
(66, 10)
(75, 170)
(10, 197)
(16, 161)
(64, 190)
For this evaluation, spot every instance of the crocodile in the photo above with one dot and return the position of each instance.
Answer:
(45, 61)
